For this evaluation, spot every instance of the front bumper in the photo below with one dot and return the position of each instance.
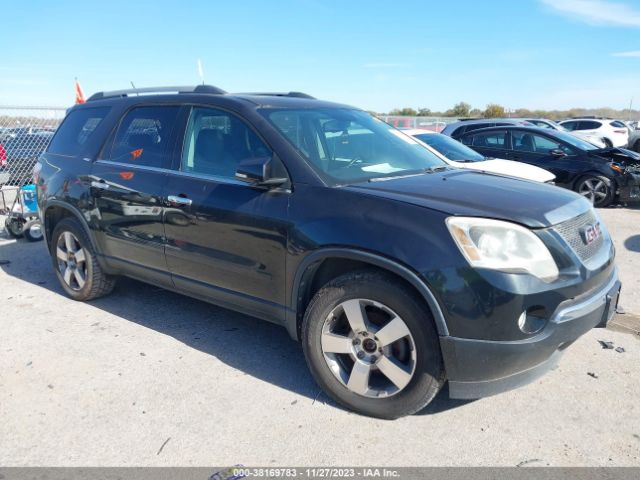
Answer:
(478, 368)
(630, 191)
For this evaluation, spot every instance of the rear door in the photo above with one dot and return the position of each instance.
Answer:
(490, 143)
(127, 183)
(226, 240)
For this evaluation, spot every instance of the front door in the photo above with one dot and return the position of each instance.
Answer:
(127, 184)
(536, 149)
(226, 241)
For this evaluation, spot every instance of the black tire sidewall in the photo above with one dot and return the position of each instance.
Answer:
(71, 225)
(429, 372)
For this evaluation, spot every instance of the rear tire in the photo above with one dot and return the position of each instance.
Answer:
(75, 262)
(608, 143)
(599, 189)
(389, 367)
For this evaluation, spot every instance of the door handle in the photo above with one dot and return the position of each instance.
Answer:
(179, 200)
(101, 184)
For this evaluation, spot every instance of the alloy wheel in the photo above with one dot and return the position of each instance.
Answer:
(594, 189)
(368, 348)
(72, 261)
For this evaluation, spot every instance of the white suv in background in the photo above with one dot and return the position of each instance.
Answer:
(550, 124)
(613, 132)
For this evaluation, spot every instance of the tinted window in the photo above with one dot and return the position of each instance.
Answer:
(570, 125)
(588, 125)
(216, 142)
(477, 126)
(488, 140)
(76, 129)
(143, 136)
(617, 124)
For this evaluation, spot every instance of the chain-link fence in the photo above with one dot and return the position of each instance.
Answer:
(25, 133)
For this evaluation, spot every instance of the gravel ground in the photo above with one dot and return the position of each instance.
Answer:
(148, 377)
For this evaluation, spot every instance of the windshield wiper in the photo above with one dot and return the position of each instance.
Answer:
(439, 168)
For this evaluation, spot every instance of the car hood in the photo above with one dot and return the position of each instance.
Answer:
(623, 156)
(479, 194)
(509, 167)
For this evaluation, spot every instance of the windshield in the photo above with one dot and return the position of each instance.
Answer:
(450, 148)
(348, 146)
(575, 141)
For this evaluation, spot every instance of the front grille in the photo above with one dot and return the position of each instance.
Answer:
(570, 231)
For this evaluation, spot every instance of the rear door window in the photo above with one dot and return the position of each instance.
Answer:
(489, 140)
(570, 125)
(76, 130)
(144, 137)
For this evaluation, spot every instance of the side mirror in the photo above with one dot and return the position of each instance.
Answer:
(257, 171)
(556, 152)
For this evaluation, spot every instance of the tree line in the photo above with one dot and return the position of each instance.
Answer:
(494, 110)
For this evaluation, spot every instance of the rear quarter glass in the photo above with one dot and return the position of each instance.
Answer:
(76, 129)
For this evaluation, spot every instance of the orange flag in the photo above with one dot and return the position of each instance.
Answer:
(79, 93)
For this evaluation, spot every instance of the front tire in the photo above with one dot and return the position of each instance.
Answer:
(75, 263)
(371, 344)
(597, 189)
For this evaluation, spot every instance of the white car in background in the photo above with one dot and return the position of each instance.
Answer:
(458, 155)
(614, 133)
(550, 124)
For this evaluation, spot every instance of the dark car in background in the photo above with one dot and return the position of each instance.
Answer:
(395, 272)
(19, 152)
(603, 175)
(456, 129)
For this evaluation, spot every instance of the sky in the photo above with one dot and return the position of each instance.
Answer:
(377, 55)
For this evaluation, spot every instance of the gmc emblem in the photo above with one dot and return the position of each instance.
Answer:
(590, 233)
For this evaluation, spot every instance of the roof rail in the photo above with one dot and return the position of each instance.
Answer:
(282, 94)
(147, 90)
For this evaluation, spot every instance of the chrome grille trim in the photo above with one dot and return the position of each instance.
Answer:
(570, 233)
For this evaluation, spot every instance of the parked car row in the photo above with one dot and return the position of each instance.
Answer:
(394, 270)
(19, 152)
(602, 173)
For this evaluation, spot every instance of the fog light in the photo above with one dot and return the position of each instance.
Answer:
(532, 320)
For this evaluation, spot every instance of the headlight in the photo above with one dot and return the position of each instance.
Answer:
(503, 246)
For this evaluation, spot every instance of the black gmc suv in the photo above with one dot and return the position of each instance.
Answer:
(395, 271)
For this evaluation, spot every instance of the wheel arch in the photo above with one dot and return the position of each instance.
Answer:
(55, 211)
(592, 173)
(323, 265)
